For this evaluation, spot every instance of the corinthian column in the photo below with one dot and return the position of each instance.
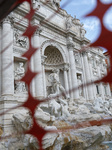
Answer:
(66, 68)
(90, 58)
(37, 65)
(7, 57)
(73, 70)
(101, 88)
(0, 59)
(87, 75)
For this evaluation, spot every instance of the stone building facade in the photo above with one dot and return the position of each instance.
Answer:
(59, 40)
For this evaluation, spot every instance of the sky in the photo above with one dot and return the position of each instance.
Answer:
(79, 8)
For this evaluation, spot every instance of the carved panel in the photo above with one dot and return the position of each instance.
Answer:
(19, 72)
(19, 40)
(77, 59)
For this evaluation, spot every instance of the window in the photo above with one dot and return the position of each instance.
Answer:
(97, 89)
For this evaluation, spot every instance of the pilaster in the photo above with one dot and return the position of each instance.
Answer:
(66, 69)
(88, 75)
(7, 56)
(39, 91)
(101, 88)
(73, 70)
(90, 58)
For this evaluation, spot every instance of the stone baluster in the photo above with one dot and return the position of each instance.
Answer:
(87, 75)
(73, 70)
(66, 68)
(7, 57)
(37, 66)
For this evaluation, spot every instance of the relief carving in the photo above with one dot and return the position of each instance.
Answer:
(79, 84)
(19, 40)
(18, 74)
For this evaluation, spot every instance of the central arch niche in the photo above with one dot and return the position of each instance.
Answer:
(54, 56)
(54, 60)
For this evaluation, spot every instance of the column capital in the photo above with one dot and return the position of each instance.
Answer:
(70, 46)
(90, 57)
(66, 67)
(97, 60)
(38, 31)
(84, 53)
(9, 19)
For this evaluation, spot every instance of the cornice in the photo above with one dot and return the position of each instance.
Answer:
(53, 27)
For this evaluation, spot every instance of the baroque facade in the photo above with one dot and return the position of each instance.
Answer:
(58, 59)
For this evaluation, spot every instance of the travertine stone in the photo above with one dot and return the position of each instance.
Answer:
(73, 70)
(37, 66)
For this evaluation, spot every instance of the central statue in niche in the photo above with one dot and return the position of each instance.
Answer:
(58, 103)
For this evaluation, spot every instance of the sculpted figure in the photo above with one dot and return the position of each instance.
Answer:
(57, 2)
(19, 73)
(69, 23)
(22, 41)
(58, 105)
(22, 122)
(101, 106)
(83, 31)
(79, 84)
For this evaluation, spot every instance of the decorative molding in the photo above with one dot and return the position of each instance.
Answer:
(19, 50)
(66, 67)
(20, 40)
(54, 44)
(43, 58)
(9, 19)
(38, 31)
(70, 46)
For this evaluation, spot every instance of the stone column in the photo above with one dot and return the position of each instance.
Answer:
(37, 66)
(43, 58)
(88, 76)
(73, 70)
(66, 68)
(101, 87)
(90, 58)
(104, 69)
(108, 89)
(7, 57)
(0, 60)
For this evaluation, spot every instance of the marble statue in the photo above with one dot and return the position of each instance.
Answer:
(83, 31)
(56, 87)
(69, 22)
(19, 73)
(57, 2)
(79, 84)
(101, 106)
(58, 103)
